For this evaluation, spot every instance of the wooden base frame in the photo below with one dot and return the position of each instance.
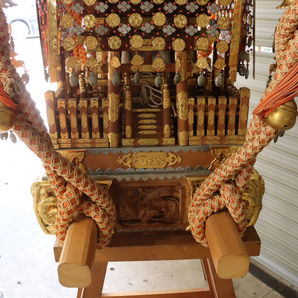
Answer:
(161, 246)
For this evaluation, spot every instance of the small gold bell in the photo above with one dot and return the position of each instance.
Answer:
(285, 3)
(284, 117)
(7, 117)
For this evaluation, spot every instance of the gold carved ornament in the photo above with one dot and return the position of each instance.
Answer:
(202, 2)
(136, 42)
(114, 106)
(148, 142)
(114, 42)
(202, 63)
(137, 60)
(148, 160)
(181, 2)
(183, 137)
(244, 113)
(158, 1)
(79, 39)
(113, 20)
(89, 2)
(71, 63)
(91, 62)
(220, 63)
(223, 23)
(225, 2)
(91, 43)
(135, 20)
(202, 44)
(159, 43)
(113, 139)
(178, 45)
(51, 116)
(67, 21)
(159, 19)
(67, 1)
(202, 20)
(222, 46)
(182, 105)
(159, 64)
(115, 62)
(180, 21)
(167, 131)
(69, 44)
(135, 2)
(89, 21)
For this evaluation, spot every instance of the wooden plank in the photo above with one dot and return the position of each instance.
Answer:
(191, 103)
(94, 103)
(232, 116)
(64, 133)
(152, 246)
(221, 123)
(211, 116)
(201, 102)
(84, 118)
(73, 118)
(51, 114)
(243, 113)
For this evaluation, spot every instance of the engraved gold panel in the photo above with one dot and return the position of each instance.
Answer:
(168, 141)
(147, 121)
(62, 120)
(51, 117)
(91, 43)
(89, 21)
(167, 131)
(127, 105)
(136, 41)
(211, 117)
(244, 113)
(148, 142)
(147, 116)
(135, 2)
(190, 117)
(232, 117)
(89, 2)
(137, 60)
(69, 44)
(114, 106)
(178, 45)
(135, 20)
(159, 64)
(158, 1)
(114, 42)
(225, 2)
(67, 21)
(223, 23)
(128, 131)
(113, 139)
(159, 19)
(180, 21)
(202, 2)
(202, 63)
(181, 2)
(115, 62)
(91, 62)
(147, 132)
(127, 142)
(220, 63)
(113, 20)
(183, 137)
(222, 46)
(182, 105)
(71, 62)
(221, 117)
(159, 43)
(202, 20)
(95, 120)
(201, 117)
(147, 127)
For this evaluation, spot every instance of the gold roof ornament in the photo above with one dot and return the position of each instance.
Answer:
(91, 43)
(67, 21)
(136, 42)
(178, 45)
(113, 20)
(115, 42)
(135, 20)
(159, 19)
(202, 20)
(180, 21)
(285, 4)
(69, 44)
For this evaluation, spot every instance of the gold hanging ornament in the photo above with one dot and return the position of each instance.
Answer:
(159, 19)
(220, 63)
(222, 46)
(115, 63)
(202, 20)
(180, 21)
(71, 62)
(113, 20)
(91, 43)
(136, 42)
(178, 45)
(69, 44)
(89, 21)
(202, 44)
(91, 62)
(159, 44)
(115, 42)
(137, 60)
(89, 2)
(67, 21)
(135, 20)
(159, 64)
(223, 23)
(79, 39)
(202, 63)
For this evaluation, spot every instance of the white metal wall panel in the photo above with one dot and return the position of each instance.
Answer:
(278, 164)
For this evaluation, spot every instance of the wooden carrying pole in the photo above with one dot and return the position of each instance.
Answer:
(78, 253)
(227, 249)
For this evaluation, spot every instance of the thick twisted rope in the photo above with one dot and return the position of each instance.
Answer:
(68, 182)
(259, 135)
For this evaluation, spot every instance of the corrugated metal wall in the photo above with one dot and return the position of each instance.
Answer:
(278, 164)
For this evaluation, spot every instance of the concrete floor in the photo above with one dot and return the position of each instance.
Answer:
(27, 267)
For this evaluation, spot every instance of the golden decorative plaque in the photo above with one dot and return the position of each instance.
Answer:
(224, 2)
(159, 19)
(159, 43)
(202, 63)
(135, 20)
(220, 63)
(158, 1)
(203, 20)
(180, 21)
(91, 62)
(178, 45)
(202, 44)
(67, 21)
(89, 2)
(89, 21)
(91, 43)
(159, 64)
(113, 20)
(135, 2)
(222, 46)
(181, 2)
(69, 44)
(223, 23)
(115, 62)
(136, 41)
(137, 60)
(71, 62)
(115, 42)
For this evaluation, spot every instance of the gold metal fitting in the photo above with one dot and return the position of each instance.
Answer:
(7, 116)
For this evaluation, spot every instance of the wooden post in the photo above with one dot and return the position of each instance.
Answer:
(182, 98)
(166, 112)
(228, 251)
(78, 253)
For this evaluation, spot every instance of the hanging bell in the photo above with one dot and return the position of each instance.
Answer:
(283, 117)
(25, 77)
(201, 80)
(219, 80)
(12, 136)
(137, 77)
(7, 117)
(285, 4)
(116, 79)
(92, 79)
(3, 136)
(73, 79)
(177, 78)
(158, 80)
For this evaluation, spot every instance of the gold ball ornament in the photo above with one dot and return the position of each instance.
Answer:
(69, 44)
(223, 23)
(159, 19)
(115, 42)
(222, 46)
(136, 41)
(135, 20)
(283, 117)
(178, 45)
(89, 21)
(203, 20)
(159, 43)
(180, 21)
(67, 21)
(113, 20)
(7, 117)
(91, 43)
